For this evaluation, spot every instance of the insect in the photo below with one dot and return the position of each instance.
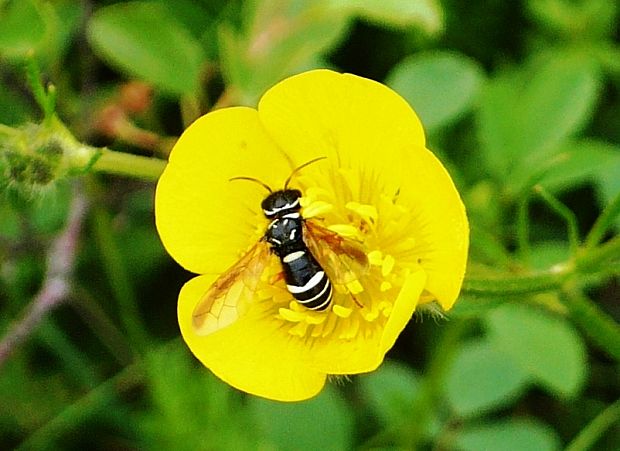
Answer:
(305, 249)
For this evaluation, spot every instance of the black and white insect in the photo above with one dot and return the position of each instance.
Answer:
(305, 277)
(312, 257)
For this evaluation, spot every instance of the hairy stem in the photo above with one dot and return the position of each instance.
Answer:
(125, 164)
(56, 285)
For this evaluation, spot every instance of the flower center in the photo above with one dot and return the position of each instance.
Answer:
(356, 208)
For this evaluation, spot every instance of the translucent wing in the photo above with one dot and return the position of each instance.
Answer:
(343, 258)
(226, 299)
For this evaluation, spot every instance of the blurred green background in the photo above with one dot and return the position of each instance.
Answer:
(513, 94)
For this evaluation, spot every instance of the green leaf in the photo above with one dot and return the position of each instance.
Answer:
(140, 38)
(576, 21)
(482, 378)
(23, 28)
(390, 392)
(581, 161)
(441, 86)
(64, 19)
(193, 16)
(324, 423)
(517, 435)
(424, 14)
(191, 403)
(547, 347)
(529, 113)
(280, 38)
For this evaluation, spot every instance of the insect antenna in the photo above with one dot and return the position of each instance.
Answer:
(299, 168)
(252, 179)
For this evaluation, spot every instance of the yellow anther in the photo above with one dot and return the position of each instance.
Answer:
(342, 312)
(385, 285)
(370, 314)
(314, 318)
(375, 257)
(387, 265)
(355, 287)
(367, 212)
(387, 311)
(383, 305)
(290, 315)
(346, 230)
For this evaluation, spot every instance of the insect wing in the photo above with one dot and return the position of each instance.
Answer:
(226, 299)
(343, 258)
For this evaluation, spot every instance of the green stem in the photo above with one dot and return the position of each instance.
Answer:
(515, 284)
(523, 227)
(603, 223)
(119, 281)
(97, 320)
(593, 431)
(597, 259)
(565, 213)
(45, 99)
(75, 362)
(126, 164)
(596, 324)
(8, 131)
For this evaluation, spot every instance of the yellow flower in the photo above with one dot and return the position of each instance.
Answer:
(377, 185)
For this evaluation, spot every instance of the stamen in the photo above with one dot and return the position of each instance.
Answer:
(346, 230)
(367, 212)
(387, 265)
(342, 312)
(290, 315)
(359, 307)
(355, 287)
(375, 257)
(385, 286)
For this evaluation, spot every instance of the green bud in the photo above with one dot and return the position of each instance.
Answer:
(36, 156)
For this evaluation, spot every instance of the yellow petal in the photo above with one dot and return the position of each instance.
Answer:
(439, 225)
(354, 122)
(403, 308)
(251, 354)
(204, 220)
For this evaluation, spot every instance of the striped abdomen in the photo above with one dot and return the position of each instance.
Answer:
(306, 280)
